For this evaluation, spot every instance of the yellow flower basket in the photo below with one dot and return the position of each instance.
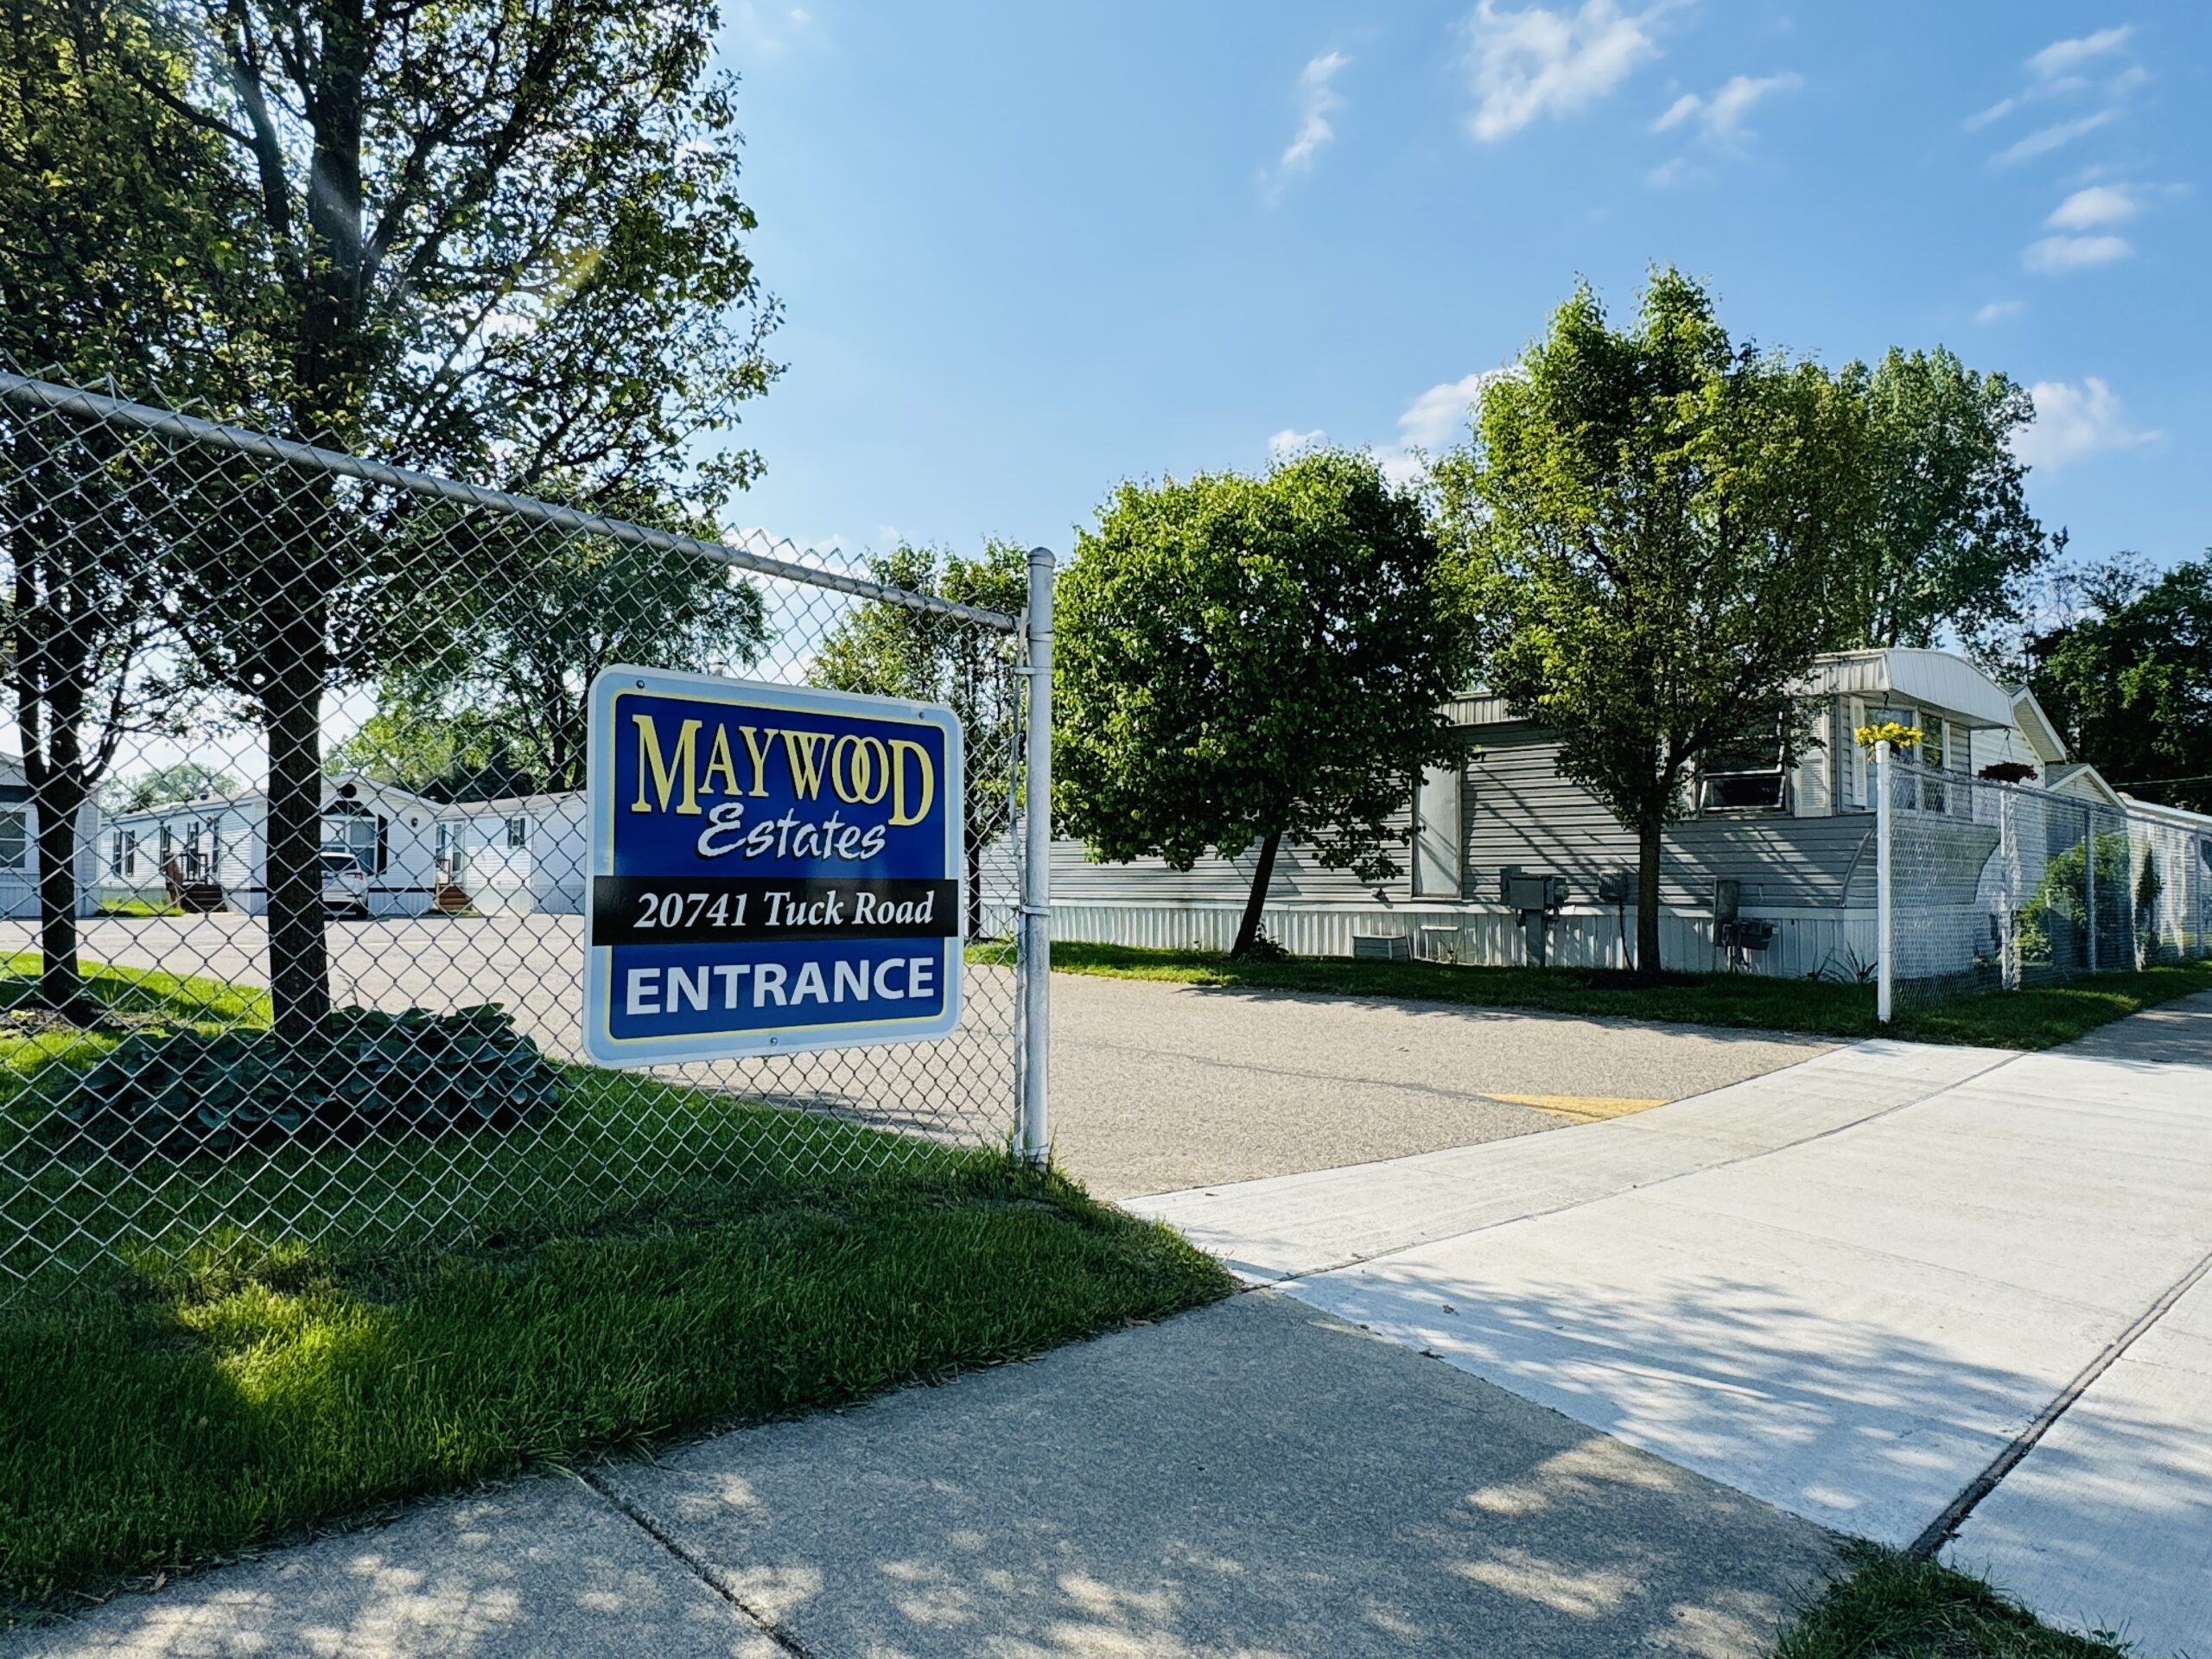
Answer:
(1894, 733)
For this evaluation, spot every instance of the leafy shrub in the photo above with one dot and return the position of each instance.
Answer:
(2055, 922)
(371, 1072)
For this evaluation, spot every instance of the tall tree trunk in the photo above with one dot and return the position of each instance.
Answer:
(1248, 931)
(299, 964)
(62, 985)
(1651, 842)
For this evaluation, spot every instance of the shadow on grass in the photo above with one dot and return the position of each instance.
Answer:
(243, 1388)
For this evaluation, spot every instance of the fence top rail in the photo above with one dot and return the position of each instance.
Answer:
(27, 392)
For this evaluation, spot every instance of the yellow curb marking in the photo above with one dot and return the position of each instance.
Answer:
(1589, 1107)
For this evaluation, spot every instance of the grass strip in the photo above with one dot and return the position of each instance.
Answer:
(2037, 1018)
(239, 1395)
(1894, 1606)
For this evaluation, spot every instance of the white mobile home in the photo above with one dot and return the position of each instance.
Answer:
(19, 865)
(379, 843)
(517, 855)
(1783, 837)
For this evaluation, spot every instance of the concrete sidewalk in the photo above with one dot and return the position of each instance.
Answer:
(1854, 1319)
(1252, 1481)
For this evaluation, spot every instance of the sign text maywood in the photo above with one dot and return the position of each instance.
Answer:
(772, 869)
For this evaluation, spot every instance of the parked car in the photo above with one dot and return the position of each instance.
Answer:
(345, 885)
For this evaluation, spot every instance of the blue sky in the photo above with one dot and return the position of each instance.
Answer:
(1027, 251)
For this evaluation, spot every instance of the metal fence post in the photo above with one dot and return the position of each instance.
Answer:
(1035, 961)
(2089, 881)
(1885, 910)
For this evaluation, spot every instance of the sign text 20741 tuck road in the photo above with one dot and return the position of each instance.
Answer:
(772, 869)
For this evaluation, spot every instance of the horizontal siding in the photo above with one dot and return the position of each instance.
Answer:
(1519, 810)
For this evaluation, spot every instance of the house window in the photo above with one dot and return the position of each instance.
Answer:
(518, 834)
(15, 839)
(353, 831)
(1748, 776)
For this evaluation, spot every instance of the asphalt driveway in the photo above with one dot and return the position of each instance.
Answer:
(1157, 1087)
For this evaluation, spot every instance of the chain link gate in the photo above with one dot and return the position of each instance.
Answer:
(293, 852)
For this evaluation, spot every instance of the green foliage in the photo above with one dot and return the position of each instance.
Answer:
(499, 708)
(501, 241)
(2130, 683)
(187, 780)
(2054, 924)
(182, 1092)
(1657, 532)
(1953, 546)
(893, 650)
(1240, 659)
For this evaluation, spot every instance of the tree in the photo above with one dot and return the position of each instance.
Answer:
(186, 780)
(2129, 682)
(1656, 530)
(497, 239)
(505, 693)
(1240, 660)
(1952, 544)
(894, 651)
(100, 277)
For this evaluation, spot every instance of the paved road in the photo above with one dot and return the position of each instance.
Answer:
(1251, 1481)
(1155, 1086)
(1159, 1086)
(1848, 1290)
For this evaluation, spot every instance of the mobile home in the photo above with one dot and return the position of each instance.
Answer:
(1772, 867)
(19, 865)
(520, 855)
(378, 850)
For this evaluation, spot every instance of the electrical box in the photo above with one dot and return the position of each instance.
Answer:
(1518, 890)
(1617, 887)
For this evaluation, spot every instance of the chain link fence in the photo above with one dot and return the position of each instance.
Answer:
(293, 852)
(1993, 885)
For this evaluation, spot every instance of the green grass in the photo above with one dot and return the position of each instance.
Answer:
(2029, 1019)
(138, 909)
(285, 1335)
(181, 1415)
(129, 999)
(1896, 1607)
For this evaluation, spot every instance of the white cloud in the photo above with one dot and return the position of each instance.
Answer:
(2100, 204)
(2062, 57)
(1720, 117)
(1435, 420)
(1437, 416)
(2043, 140)
(1318, 99)
(2073, 422)
(1537, 61)
(1290, 440)
(2055, 254)
(768, 31)
(1998, 310)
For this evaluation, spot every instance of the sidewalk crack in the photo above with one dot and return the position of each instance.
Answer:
(1945, 1527)
(698, 1566)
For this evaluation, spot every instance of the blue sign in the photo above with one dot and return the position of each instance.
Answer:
(772, 869)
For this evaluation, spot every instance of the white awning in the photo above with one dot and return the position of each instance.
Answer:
(1926, 679)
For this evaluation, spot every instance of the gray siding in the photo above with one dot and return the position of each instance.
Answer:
(1519, 810)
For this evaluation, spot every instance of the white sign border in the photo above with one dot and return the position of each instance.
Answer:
(600, 1045)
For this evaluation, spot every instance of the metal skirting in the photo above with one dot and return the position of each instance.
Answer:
(1805, 942)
